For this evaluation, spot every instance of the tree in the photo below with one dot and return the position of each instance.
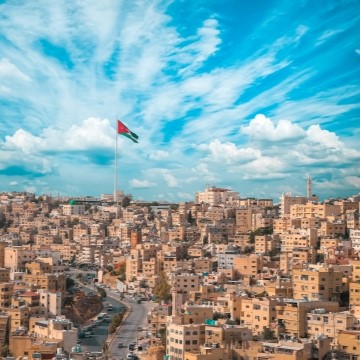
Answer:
(268, 334)
(69, 283)
(259, 231)
(319, 258)
(162, 333)
(162, 289)
(101, 292)
(4, 350)
(126, 201)
(116, 321)
(190, 218)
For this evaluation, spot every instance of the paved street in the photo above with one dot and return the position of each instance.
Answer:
(129, 330)
(133, 328)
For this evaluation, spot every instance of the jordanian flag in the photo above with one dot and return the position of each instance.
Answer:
(123, 130)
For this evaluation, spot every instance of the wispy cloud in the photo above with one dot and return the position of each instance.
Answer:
(190, 89)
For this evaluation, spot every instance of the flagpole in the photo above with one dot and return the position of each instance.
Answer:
(116, 164)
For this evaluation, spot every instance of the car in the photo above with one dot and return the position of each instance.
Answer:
(131, 357)
(120, 344)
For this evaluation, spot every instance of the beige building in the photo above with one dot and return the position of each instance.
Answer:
(50, 303)
(291, 315)
(248, 265)
(349, 344)
(321, 284)
(319, 321)
(215, 196)
(287, 200)
(157, 319)
(6, 292)
(265, 243)
(244, 219)
(17, 256)
(183, 338)
(49, 282)
(73, 209)
(311, 210)
(59, 328)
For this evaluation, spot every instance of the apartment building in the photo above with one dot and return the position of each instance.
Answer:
(312, 210)
(73, 209)
(332, 228)
(265, 243)
(287, 200)
(319, 321)
(184, 283)
(349, 344)
(50, 303)
(60, 329)
(6, 292)
(226, 258)
(298, 239)
(244, 219)
(355, 238)
(157, 319)
(291, 315)
(284, 225)
(182, 338)
(317, 284)
(221, 336)
(16, 257)
(49, 282)
(215, 196)
(248, 265)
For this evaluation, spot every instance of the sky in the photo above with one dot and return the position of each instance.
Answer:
(252, 96)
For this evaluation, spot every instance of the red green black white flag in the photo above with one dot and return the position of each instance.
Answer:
(123, 130)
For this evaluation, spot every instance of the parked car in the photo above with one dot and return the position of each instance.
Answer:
(120, 344)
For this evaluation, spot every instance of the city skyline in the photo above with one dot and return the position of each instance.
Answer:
(253, 98)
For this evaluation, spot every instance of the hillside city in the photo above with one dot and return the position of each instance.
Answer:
(224, 277)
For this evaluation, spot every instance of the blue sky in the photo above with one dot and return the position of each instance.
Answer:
(253, 96)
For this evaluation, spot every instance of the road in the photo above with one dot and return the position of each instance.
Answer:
(133, 328)
(100, 332)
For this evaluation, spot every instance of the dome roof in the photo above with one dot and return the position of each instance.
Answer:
(72, 202)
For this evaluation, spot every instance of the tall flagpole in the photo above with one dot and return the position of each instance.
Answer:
(116, 165)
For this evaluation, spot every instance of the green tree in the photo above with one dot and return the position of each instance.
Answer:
(268, 334)
(190, 218)
(126, 201)
(162, 333)
(259, 231)
(4, 350)
(101, 292)
(162, 289)
(116, 321)
(69, 283)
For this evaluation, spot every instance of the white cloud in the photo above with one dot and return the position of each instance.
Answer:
(93, 133)
(324, 137)
(354, 181)
(185, 196)
(264, 168)
(141, 184)
(263, 129)
(327, 34)
(357, 51)
(158, 155)
(170, 179)
(10, 71)
(228, 152)
(202, 171)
